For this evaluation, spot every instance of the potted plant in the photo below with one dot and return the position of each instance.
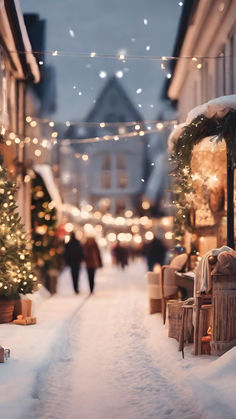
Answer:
(16, 275)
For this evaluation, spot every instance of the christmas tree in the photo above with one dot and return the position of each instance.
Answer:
(46, 247)
(16, 275)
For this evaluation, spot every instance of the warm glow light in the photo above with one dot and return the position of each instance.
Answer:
(202, 239)
(165, 221)
(17, 140)
(51, 124)
(168, 235)
(145, 205)
(111, 237)
(141, 133)
(137, 239)
(28, 119)
(128, 237)
(149, 235)
(137, 127)
(85, 157)
(12, 135)
(128, 213)
(159, 125)
(135, 229)
(120, 221)
(35, 140)
(44, 143)
(199, 66)
(144, 220)
(121, 237)
(75, 212)
(102, 124)
(54, 134)
(33, 124)
(69, 227)
(38, 152)
(88, 228)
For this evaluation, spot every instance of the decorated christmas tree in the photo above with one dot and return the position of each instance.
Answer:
(46, 247)
(16, 275)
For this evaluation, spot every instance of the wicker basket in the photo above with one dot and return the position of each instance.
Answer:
(174, 309)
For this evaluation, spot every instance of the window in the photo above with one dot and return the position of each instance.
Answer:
(121, 161)
(106, 180)
(122, 179)
(106, 162)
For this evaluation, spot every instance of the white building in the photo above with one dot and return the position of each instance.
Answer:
(207, 29)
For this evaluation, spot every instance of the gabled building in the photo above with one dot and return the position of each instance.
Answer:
(113, 176)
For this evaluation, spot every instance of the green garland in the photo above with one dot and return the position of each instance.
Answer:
(193, 134)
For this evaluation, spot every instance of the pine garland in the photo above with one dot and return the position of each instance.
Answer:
(181, 157)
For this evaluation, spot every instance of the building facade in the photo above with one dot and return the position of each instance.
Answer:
(207, 29)
(107, 174)
(17, 71)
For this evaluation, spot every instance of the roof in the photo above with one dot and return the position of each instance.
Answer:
(188, 11)
(16, 39)
(77, 131)
(112, 82)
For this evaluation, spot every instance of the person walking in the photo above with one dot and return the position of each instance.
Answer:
(73, 258)
(155, 253)
(92, 259)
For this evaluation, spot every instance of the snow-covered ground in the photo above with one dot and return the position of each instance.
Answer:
(105, 357)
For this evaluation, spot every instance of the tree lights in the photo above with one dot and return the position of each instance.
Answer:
(16, 275)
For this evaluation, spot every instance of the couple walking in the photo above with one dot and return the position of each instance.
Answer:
(75, 253)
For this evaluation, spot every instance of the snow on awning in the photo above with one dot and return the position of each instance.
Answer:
(45, 171)
(219, 107)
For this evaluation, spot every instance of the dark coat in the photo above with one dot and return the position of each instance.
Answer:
(155, 252)
(73, 252)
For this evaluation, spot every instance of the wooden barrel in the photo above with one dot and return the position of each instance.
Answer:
(6, 310)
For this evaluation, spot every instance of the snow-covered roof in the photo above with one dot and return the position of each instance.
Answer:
(219, 107)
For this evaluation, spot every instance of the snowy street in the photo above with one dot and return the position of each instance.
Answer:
(115, 360)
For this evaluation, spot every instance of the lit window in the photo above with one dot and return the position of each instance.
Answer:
(121, 161)
(106, 180)
(122, 180)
